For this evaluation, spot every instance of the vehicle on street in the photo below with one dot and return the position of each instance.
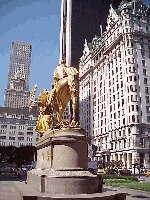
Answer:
(147, 173)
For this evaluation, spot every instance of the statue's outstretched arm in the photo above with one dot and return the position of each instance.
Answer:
(37, 102)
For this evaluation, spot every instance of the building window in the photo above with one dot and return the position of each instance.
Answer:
(148, 119)
(133, 118)
(148, 109)
(144, 71)
(145, 80)
(3, 126)
(146, 90)
(143, 62)
(147, 99)
(143, 55)
(124, 143)
(131, 88)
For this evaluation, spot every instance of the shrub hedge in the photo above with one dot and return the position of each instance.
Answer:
(116, 181)
(131, 178)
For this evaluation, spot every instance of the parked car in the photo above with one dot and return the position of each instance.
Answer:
(101, 171)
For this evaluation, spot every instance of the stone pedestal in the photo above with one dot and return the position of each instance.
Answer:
(62, 164)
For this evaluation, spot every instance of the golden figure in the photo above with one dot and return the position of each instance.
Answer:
(45, 119)
(64, 89)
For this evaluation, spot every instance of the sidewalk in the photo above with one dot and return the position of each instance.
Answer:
(7, 191)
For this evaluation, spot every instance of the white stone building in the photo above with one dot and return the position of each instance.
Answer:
(17, 127)
(114, 86)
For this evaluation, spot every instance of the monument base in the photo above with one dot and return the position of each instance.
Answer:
(64, 182)
(62, 167)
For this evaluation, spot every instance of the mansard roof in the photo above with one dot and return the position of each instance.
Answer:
(140, 7)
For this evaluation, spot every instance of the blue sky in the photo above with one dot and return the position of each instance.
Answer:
(147, 2)
(37, 22)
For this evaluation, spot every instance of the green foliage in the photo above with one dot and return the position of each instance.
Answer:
(131, 178)
(136, 186)
(20, 156)
(116, 181)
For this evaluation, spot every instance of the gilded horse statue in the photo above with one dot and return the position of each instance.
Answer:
(64, 89)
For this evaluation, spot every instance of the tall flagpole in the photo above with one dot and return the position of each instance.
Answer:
(101, 28)
(134, 8)
(62, 32)
(68, 33)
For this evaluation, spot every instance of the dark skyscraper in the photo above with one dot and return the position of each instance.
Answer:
(87, 16)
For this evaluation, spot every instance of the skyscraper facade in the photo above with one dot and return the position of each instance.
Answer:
(17, 91)
(86, 18)
(114, 75)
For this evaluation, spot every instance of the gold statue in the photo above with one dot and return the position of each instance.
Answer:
(64, 89)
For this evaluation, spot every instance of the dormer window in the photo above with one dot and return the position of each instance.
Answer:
(22, 116)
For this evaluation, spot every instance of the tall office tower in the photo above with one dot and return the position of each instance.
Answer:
(114, 82)
(17, 91)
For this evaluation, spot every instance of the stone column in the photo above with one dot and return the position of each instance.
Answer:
(146, 160)
(128, 157)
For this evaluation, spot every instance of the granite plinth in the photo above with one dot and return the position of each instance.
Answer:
(63, 149)
(61, 171)
(64, 182)
(62, 164)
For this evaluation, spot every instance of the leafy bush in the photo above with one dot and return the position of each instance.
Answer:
(131, 178)
(116, 181)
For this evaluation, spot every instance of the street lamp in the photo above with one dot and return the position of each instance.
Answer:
(109, 160)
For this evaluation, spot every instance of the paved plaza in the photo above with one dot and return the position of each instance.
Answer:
(7, 191)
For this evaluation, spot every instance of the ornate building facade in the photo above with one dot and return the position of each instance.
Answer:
(114, 86)
(17, 91)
